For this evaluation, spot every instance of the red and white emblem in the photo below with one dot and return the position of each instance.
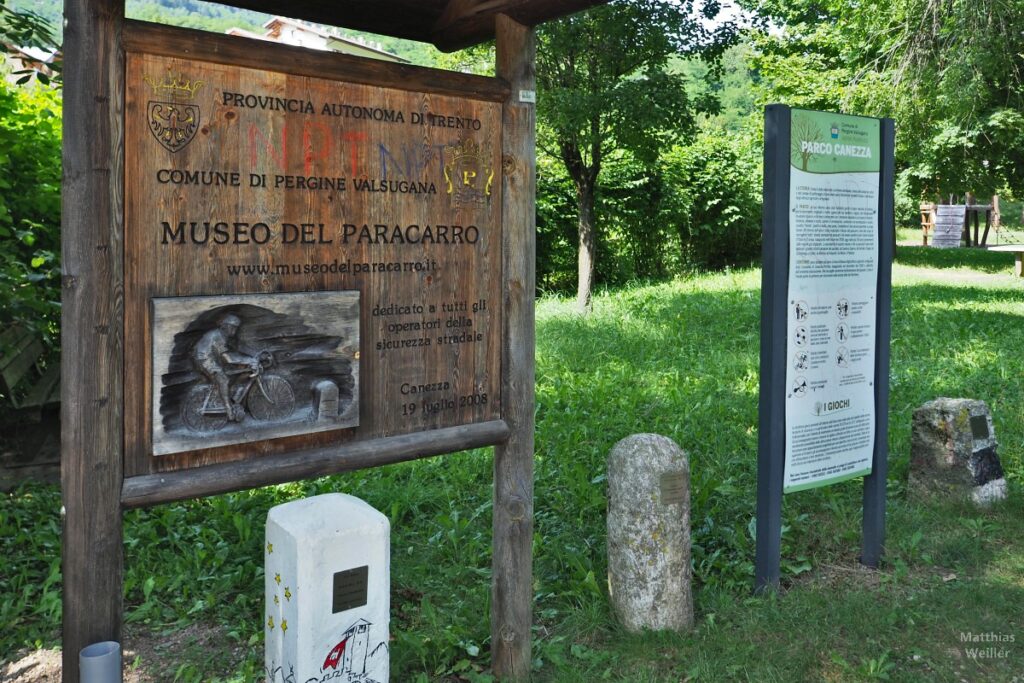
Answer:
(335, 656)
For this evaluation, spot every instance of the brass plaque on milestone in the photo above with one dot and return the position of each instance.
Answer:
(307, 262)
(350, 589)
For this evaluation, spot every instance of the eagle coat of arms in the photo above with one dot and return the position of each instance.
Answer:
(173, 124)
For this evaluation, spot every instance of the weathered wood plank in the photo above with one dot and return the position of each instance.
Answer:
(45, 391)
(246, 182)
(91, 321)
(1018, 251)
(170, 41)
(20, 360)
(146, 490)
(512, 594)
(12, 336)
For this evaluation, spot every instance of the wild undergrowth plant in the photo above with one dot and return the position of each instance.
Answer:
(30, 177)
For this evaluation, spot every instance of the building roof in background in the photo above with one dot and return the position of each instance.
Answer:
(20, 59)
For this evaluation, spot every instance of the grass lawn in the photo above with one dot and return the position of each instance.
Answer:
(680, 359)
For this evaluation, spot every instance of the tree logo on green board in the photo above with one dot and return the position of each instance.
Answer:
(806, 139)
(173, 123)
(823, 142)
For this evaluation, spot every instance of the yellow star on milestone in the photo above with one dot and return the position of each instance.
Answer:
(270, 623)
(270, 548)
(277, 579)
(287, 594)
(277, 600)
(284, 624)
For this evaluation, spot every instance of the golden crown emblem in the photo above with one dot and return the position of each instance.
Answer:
(174, 86)
(466, 149)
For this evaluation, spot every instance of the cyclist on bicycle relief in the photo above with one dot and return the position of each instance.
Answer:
(214, 351)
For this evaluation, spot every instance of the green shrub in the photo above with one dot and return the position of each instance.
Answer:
(556, 227)
(634, 242)
(713, 197)
(30, 181)
(637, 243)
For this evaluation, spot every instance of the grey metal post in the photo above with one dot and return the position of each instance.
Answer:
(771, 403)
(874, 484)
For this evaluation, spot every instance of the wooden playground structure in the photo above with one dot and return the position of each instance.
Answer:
(950, 224)
(972, 216)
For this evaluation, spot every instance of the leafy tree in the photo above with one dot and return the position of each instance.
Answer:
(733, 87)
(603, 84)
(957, 76)
(950, 73)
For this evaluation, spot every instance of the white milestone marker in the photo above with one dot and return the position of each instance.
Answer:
(328, 575)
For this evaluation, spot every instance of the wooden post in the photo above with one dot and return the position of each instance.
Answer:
(91, 323)
(512, 593)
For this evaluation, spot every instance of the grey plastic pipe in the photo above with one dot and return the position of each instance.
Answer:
(100, 663)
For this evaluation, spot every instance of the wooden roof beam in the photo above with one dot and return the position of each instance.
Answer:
(409, 23)
(468, 22)
(450, 25)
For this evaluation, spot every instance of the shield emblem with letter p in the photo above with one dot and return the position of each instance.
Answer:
(173, 124)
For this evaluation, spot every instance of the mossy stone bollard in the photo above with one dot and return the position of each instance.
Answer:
(649, 573)
(953, 452)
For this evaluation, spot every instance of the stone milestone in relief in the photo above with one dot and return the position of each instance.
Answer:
(251, 367)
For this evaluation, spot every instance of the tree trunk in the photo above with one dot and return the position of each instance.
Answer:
(587, 245)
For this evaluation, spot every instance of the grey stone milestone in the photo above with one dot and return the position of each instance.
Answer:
(326, 399)
(953, 452)
(649, 571)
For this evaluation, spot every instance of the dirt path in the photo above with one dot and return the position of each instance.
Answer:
(145, 656)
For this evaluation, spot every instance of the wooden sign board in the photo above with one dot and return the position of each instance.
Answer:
(283, 263)
(348, 234)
